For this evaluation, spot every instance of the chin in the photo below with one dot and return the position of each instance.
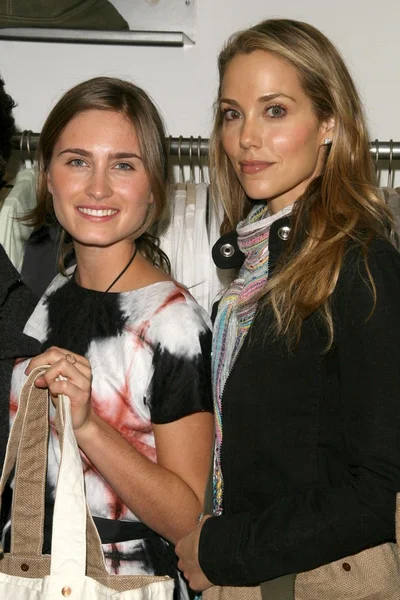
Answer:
(90, 242)
(257, 194)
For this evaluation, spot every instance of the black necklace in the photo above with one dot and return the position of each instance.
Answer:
(130, 261)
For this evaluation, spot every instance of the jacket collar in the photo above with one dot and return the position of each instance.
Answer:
(227, 254)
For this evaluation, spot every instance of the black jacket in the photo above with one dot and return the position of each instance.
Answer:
(16, 305)
(311, 439)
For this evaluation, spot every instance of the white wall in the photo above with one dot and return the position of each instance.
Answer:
(183, 80)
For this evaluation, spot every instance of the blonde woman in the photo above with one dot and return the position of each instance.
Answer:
(306, 340)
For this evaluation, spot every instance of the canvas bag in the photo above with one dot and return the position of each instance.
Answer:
(67, 14)
(372, 574)
(76, 567)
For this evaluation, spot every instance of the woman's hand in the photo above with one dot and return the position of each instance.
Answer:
(76, 383)
(187, 550)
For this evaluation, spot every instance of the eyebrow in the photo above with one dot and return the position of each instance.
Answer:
(86, 154)
(266, 98)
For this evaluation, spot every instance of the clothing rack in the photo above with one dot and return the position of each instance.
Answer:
(195, 147)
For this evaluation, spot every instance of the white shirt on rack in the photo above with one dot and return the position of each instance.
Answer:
(20, 200)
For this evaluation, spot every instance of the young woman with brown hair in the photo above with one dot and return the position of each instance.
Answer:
(130, 344)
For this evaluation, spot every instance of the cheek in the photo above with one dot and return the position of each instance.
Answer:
(59, 187)
(229, 142)
(57, 183)
(137, 192)
(289, 143)
(59, 210)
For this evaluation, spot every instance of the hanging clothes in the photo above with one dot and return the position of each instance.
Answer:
(171, 237)
(18, 201)
(391, 197)
(187, 236)
(164, 232)
(202, 250)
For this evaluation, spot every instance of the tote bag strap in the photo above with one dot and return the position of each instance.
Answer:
(30, 437)
(95, 563)
(15, 432)
(27, 514)
(68, 545)
(70, 497)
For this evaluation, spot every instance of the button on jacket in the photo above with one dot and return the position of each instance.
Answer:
(311, 446)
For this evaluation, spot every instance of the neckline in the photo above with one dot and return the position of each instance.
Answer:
(72, 281)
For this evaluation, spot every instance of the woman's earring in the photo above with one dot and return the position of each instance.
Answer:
(327, 141)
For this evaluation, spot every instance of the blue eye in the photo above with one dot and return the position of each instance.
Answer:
(77, 162)
(124, 167)
(276, 111)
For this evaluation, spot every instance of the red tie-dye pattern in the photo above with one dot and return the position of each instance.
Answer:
(120, 413)
(140, 335)
(141, 332)
(13, 405)
(172, 298)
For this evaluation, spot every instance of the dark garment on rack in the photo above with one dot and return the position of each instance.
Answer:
(39, 266)
(16, 305)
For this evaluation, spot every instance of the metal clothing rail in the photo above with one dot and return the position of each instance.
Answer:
(196, 146)
(91, 36)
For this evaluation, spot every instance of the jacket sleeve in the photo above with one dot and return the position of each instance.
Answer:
(320, 524)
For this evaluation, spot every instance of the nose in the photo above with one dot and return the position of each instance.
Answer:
(98, 185)
(250, 134)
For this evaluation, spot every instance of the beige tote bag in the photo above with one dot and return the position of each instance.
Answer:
(76, 567)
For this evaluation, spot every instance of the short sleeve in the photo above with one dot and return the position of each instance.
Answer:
(181, 381)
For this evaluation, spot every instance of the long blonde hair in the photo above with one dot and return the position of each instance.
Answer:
(339, 205)
(109, 94)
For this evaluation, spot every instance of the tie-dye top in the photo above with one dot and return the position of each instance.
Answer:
(149, 350)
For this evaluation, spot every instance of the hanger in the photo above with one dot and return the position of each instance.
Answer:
(25, 148)
(390, 180)
(200, 161)
(181, 185)
(376, 162)
(191, 185)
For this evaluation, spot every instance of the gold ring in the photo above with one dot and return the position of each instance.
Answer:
(71, 358)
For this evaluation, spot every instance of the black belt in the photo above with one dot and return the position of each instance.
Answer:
(112, 531)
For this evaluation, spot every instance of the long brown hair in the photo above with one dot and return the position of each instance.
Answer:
(107, 93)
(339, 205)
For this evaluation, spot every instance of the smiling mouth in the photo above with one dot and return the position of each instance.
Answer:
(98, 212)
